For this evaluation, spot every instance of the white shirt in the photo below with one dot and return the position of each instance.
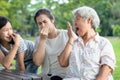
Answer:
(53, 48)
(85, 60)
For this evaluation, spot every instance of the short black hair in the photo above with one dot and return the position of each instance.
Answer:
(43, 11)
(3, 21)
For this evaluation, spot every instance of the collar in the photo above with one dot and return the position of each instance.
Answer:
(95, 38)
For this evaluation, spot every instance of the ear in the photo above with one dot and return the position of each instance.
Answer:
(89, 20)
(53, 21)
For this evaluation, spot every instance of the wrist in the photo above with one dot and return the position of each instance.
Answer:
(71, 40)
(70, 43)
(16, 45)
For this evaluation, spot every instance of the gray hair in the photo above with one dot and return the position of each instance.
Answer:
(87, 12)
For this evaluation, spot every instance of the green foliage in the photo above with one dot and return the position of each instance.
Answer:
(4, 6)
(98, 30)
(116, 30)
(116, 13)
(16, 11)
(21, 13)
(116, 46)
(103, 9)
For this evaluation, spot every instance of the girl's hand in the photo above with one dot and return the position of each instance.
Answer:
(16, 39)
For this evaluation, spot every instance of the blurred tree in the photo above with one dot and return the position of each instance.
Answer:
(104, 11)
(21, 13)
(18, 14)
(116, 30)
(116, 12)
(4, 6)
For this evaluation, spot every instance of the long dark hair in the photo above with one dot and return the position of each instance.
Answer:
(3, 21)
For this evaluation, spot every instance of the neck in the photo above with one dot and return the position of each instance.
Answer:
(5, 44)
(53, 33)
(88, 35)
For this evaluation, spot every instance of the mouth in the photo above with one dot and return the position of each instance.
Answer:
(76, 30)
(9, 38)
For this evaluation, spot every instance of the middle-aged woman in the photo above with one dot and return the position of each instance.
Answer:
(49, 44)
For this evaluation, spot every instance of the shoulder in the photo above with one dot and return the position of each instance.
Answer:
(104, 43)
(28, 42)
(22, 46)
(37, 39)
(63, 32)
(103, 40)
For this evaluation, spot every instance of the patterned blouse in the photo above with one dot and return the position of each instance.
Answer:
(86, 59)
(26, 46)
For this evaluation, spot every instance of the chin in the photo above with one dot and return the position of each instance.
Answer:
(81, 35)
(8, 40)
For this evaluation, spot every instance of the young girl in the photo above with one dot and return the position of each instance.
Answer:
(12, 46)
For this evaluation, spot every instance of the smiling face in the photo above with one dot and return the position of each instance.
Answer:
(6, 32)
(81, 25)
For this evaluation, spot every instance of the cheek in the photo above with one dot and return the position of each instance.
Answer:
(76, 25)
(11, 32)
(40, 27)
(2, 35)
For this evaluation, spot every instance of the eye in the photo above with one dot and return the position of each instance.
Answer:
(78, 18)
(44, 21)
(39, 23)
(11, 29)
(5, 30)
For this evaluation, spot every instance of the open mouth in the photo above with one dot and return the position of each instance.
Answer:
(76, 31)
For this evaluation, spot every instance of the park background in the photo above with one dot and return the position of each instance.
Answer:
(21, 14)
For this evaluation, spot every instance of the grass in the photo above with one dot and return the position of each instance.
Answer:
(116, 46)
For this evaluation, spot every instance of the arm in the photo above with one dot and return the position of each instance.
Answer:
(39, 54)
(104, 72)
(107, 61)
(64, 56)
(7, 60)
(20, 58)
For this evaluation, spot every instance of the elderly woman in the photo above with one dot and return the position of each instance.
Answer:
(91, 56)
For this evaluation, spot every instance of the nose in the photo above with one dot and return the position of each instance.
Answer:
(10, 32)
(42, 24)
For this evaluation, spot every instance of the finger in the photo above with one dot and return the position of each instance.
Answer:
(13, 35)
(44, 31)
(68, 24)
